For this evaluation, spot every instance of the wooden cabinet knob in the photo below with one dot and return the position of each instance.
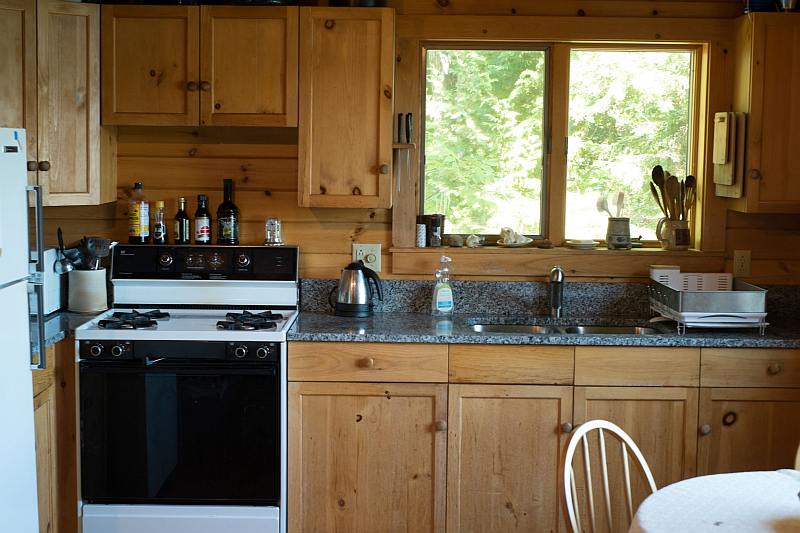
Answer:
(44, 166)
(729, 419)
(774, 369)
(705, 429)
(330, 24)
(33, 166)
(205, 86)
(192, 86)
(440, 425)
(384, 169)
(366, 362)
(566, 427)
(754, 174)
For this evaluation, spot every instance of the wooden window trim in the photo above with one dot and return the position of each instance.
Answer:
(713, 39)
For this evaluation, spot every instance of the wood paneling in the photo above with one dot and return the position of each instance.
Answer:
(487, 363)
(774, 242)
(623, 366)
(749, 429)
(367, 362)
(504, 447)
(367, 457)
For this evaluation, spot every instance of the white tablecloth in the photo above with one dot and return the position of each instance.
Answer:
(726, 503)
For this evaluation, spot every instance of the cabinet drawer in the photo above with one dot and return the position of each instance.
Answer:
(379, 362)
(655, 367)
(481, 363)
(750, 368)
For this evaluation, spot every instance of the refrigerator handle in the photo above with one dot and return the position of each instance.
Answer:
(36, 279)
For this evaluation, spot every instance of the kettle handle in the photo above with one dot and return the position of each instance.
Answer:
(330, 296)
(372, 275)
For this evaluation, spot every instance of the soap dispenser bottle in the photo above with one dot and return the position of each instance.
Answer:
(442, 303)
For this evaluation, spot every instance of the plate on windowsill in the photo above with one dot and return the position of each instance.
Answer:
(580, 244)
(515, 244)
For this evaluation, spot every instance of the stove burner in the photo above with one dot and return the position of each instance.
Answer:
(249, 321)
(133, 320)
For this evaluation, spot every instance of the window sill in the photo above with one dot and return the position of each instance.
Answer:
(536, 262)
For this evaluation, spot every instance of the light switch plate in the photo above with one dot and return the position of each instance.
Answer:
(369, 253)
(741, 263)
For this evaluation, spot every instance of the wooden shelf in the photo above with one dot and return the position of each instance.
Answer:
(404, 146)
(536, 262)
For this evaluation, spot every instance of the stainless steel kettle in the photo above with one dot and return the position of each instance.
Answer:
(354, 292)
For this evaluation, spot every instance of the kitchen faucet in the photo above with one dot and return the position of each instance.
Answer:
(556, 291)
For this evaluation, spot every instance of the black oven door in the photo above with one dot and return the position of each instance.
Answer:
(186, 432)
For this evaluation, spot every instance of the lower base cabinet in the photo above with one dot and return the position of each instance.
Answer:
(505, 445)
(44, 419)
(367, 457)
(748, 429)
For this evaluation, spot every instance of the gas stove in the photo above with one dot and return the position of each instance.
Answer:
(192, 357)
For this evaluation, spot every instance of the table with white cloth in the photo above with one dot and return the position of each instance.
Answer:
(743, 502)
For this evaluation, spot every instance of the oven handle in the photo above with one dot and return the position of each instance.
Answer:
(165, 366)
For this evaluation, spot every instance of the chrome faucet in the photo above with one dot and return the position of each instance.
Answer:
(556, 291)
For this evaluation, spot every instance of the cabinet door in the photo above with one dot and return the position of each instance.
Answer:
(150, 65)
(248, 66)
(748, 429)
(773, 184)
(663, 423)
(346, 90)
(366, 458)
(71, 142)
(18, 70)
(44, 419)
(504, 452)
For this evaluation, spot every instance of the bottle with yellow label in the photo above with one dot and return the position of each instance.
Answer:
(138, 216)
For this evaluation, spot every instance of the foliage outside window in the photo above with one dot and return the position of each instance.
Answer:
(486, 118)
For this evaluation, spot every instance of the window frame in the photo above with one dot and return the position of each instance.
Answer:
(556, 119)
(545, 47)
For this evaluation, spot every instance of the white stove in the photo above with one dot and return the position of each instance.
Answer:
(182, 389)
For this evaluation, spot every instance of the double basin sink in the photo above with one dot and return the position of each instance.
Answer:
(526, 329)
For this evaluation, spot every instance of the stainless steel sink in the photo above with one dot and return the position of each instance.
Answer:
(523, 329)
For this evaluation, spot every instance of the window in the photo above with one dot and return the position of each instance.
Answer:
(629, 110)
(488, 114)
(484, 139)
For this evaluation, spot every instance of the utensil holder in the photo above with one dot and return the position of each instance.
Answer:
(618, 234)
(673, 234)
(87, 291)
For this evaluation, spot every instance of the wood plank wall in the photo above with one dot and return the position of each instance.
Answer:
(180, 161)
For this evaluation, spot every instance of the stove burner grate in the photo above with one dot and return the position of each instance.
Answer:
(248, 321)
(133, 320)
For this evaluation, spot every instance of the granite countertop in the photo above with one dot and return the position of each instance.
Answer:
(423, 328)
(59, 325)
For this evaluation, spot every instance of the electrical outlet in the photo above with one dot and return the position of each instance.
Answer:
(741, 263)
(369, 253)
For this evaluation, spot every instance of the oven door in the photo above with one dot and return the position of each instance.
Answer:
(185, 432)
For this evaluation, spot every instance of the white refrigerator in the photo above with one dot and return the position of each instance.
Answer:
(18, 500)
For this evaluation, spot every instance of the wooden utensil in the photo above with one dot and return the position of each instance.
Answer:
(620, 203)
(673, 193)
(659, 180)
(691, 193)
(655, 194)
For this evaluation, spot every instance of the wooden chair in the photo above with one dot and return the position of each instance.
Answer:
(579, 437)
(797, 459)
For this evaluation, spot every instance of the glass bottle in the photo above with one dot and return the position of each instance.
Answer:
(159, 224)
(228, 217)
(138, 216)
(202, 221)
(182, 226)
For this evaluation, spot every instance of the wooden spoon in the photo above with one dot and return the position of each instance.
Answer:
(658, 199)
(659, 180)
(691, 192)
(673, 189)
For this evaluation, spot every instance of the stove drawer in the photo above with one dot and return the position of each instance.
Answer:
(367, 362)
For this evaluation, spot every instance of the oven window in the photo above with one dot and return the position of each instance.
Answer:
(178, 435)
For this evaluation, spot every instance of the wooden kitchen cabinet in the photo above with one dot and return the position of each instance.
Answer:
(663, 423)
(767, 58)
(53, 91)
(366, 457)
(346, 102)
(504, 456)
(44, 419)
(745, 429)
(190, 65)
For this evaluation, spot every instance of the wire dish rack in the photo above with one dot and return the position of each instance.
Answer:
(706, 300)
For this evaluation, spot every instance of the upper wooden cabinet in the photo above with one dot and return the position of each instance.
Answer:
(767, 59)
(346, 91)
(209, 65)
(52, 89)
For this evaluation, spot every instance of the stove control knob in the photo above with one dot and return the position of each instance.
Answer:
(243, 260)
(117, 350)
(96, 350)
(165, 259)
(262, 352)
(240, 352)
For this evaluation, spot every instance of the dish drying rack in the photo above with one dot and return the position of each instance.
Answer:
(706, 300)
